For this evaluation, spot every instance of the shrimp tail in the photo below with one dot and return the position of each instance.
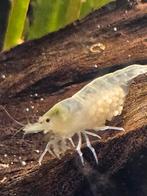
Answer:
(125, 75)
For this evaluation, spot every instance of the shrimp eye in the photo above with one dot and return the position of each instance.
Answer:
(47, 120)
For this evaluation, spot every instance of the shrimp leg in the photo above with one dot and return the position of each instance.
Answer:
(78, 148)
(108, 127)
(71, 141)
(92, 134)
(90, 147)
(47, 149)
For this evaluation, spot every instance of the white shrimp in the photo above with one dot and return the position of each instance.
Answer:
(88, 109)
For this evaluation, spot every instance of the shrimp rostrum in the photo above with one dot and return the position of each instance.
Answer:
(87, 110)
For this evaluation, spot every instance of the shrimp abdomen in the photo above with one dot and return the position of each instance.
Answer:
(104, 96)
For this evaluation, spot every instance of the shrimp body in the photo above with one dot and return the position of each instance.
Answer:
(88, 109)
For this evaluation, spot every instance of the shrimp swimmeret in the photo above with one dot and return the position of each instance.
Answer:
(88, 109)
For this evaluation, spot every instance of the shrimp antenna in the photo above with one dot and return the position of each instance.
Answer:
(11, 116)
(17, 131)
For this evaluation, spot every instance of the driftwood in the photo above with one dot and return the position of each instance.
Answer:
(37, 74)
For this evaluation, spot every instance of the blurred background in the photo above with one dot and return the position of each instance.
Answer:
(22, 20)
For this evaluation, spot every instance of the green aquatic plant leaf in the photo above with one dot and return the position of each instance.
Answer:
(73, 11)
(100, 3)
(86, 7)
(51, 15)
(44, 16)
(16, 21)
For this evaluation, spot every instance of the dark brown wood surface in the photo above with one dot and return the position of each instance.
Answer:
(42, 72)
